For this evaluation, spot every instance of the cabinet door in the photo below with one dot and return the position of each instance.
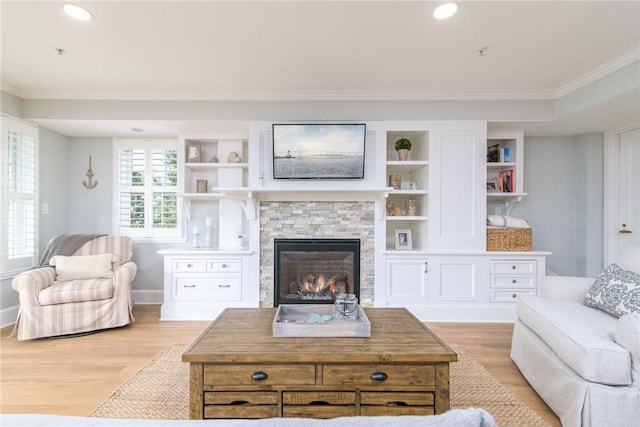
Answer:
(406, 281)
(457, 187)
(454, 279)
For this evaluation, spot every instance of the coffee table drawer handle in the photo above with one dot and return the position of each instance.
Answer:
(379, 376)
(259, 376)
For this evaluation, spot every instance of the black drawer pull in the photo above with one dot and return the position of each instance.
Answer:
(259, 376)
(379, 376)
(319, 403)
(240, 402)
(397, 404)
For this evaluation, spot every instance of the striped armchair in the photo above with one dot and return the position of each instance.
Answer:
(49, 307)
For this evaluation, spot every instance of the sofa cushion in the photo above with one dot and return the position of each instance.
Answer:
(616, 291)
(76, 291)
(83, 267)
(581, 336)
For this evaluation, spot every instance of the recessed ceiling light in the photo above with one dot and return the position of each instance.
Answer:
(77, 12)
(446, 10)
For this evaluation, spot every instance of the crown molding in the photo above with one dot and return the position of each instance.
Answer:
(285, 95)
(598, 73)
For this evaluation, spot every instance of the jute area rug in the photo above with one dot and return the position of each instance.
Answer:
(160, 390)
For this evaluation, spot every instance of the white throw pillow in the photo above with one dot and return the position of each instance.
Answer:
(83, 267)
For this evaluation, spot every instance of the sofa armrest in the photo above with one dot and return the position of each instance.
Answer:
(565, 287)
(123, 276)
(30, 283)
(628, 333)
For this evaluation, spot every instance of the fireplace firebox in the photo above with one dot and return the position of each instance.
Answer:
(314, 271)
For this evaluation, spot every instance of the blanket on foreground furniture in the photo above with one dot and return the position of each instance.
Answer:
(584, 361)
(453, 418)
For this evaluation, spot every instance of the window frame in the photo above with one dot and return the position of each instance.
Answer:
(148, 232)
(11, 267)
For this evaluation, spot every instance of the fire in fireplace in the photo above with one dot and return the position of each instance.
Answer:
(314, 271)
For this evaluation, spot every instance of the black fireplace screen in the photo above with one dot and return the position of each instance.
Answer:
(314, 271)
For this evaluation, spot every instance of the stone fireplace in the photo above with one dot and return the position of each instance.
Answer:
(317, 220)
(314, 271)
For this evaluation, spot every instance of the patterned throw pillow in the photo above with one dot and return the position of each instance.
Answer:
(615, 291)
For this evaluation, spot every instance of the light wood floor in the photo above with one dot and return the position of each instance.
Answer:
(72, 376)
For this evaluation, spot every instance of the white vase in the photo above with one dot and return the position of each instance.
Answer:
(403, 154)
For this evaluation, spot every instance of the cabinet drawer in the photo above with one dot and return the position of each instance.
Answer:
(515, 282)
(379, 375)
(514, 266)
(189, 287)
(318, 411)
(224, 265)
(258, 375)
(509, 295)
(189, 265)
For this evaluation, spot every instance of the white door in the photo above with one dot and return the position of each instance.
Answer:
(622, 213)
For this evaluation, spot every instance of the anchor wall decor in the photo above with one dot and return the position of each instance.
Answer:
(91, 184)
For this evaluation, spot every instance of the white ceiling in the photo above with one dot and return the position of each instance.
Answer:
(293, 50)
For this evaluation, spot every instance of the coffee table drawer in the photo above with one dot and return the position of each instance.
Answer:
(374, 411)
(240, 398)
(240, 411)
(318, 404)
(397, 398)
(259, 374)
(319, 398)
(319, 411)
(379, 375)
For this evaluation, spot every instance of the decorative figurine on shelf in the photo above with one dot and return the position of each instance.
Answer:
(213, 159)
(392, 209)
(414, 184)
(411, 206)
(234, 157)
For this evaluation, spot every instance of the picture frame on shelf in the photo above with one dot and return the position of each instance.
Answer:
(194, 152)
(493, 185)
(493, 153)
(403, 239)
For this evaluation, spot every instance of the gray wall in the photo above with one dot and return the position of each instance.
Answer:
(564, 206)
(563, 176)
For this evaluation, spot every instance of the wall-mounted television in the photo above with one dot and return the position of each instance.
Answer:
(318, 151)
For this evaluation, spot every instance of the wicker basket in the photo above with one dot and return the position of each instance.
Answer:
(509, 239)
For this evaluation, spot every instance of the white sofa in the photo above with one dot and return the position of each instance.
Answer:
(453, 418)
(581, 360)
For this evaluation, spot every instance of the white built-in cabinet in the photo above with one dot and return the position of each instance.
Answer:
(214, 268)
(446, 274)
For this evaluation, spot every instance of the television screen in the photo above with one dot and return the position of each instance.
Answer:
(318, 151)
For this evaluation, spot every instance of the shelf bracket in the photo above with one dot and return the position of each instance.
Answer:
(512, 204)
(383, 205)
(249, 205)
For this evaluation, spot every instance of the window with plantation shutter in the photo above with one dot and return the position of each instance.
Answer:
(146, 204)
(18, 197)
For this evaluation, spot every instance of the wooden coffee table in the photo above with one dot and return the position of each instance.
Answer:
(239, 370)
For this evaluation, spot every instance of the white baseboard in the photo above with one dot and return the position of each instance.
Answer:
(147, 297)
(8, 316)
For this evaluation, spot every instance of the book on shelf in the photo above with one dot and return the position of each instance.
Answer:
(505, 155)
(507, 181)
